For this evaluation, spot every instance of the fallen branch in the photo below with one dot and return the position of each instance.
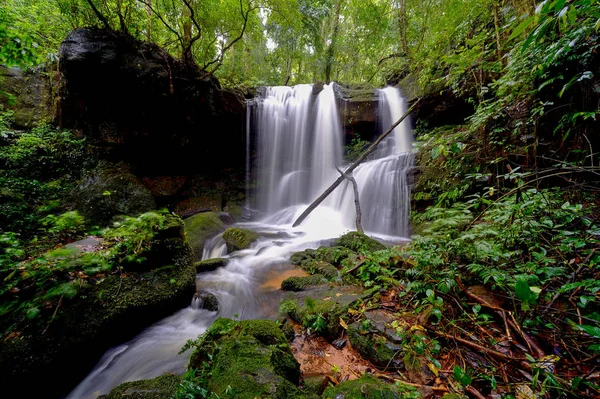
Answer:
(389, 378)
(362, 157)
(348, 176)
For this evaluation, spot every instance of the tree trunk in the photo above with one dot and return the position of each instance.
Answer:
(348, 176)
(403, 22)
(362, 157)
(186, 46)
(332, 40)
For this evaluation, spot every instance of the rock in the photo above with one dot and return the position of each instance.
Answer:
(249, 359)
(209, 265)
(201, 227)
(319, 267)
(163, 387)
(375, 348)
(359, 242)
(209, 301)
(31, 90)
(107, 311)
(160, 115)
(366, 387)
(237, 238)
(329, 302)
(111, 190)
(301, 283)
(226, 218)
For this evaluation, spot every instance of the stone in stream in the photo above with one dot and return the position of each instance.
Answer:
(297, 283)
(359, 242)
(209, 301)
(201, 227)
(238, 239)
(208, 265)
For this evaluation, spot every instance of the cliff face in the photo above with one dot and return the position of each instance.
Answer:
(147, 108)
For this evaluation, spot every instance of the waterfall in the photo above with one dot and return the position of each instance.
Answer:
(298, 145)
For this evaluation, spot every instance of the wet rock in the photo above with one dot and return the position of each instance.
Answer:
(249, 359)
(209, 301)
(366, 387)
(287, 328)
(163, 387)
(330, 302)
(209, 265)
(374, 347)
(31, 91)
(237, 238)
(161, 113)
(359, 242)
(301, 283)
(111, 190)
(226, 218)
(339, 343)
(325, 269)
(201, 227)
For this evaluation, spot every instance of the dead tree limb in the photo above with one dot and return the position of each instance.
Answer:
(348, 176)
(362, 157)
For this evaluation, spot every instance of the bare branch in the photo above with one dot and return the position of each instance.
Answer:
(162, 20)
(348, 176)
(101, 17)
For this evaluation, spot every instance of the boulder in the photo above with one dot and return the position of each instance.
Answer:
(209, 301)
(111, 190)
(209, 265)
(301, 283)
(249, 359)
(200, 228)
(163, 387)
(29, 94)
(359, 242)
(160, 115)
(237, 238)
(366, 387)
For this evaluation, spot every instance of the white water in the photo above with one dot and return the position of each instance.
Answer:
(299, 143)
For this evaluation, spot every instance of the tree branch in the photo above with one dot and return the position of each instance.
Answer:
(348, 176)
(101, 17)
(162, 20)
(362, 157)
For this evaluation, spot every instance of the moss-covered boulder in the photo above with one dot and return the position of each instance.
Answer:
(163, 387)
(111, 190)
(200, 228)
(366, 387)
(80, 319)
(359, 242)
(237, 238)
(320, 308)
(248, 359)
(374, 347)
(209, 265)
(312, 266)
(333, 255)
(301, 283)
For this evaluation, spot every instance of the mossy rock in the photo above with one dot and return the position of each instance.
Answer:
(249, 359)
(375, 348)
(301, 283)
(366, 387)
(209, 301)
(237, 238)
(359, 242)
(312, 266)
(111, 190)
(334, 255)
(305, 311)
(209, 265)
(163, 387)
(201, 227)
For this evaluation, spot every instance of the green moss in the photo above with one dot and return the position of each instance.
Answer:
(307, 311)
(238, 239)
(248, 359)
(359, 242)
(199, 228)
(366, 387)
(162, 387)
(301, 283)
(374, 348)
(333, 255)
(209, 265)
(325, 269)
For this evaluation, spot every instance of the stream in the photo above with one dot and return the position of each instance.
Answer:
(299, 145)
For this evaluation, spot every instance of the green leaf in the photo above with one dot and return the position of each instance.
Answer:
(461, 376)
(523, 290)
(33, 313)
(592, 330)
(521, 28)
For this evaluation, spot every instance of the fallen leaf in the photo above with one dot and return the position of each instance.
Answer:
(343, 324)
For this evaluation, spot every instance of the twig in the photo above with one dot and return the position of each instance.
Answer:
(474, 392)
(387, 377)
(53, 314)
(361, 158)
(478, 347)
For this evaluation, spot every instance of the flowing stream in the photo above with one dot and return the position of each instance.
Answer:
(299, 144)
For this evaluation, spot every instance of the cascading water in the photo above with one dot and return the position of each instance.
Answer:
(299, 144)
